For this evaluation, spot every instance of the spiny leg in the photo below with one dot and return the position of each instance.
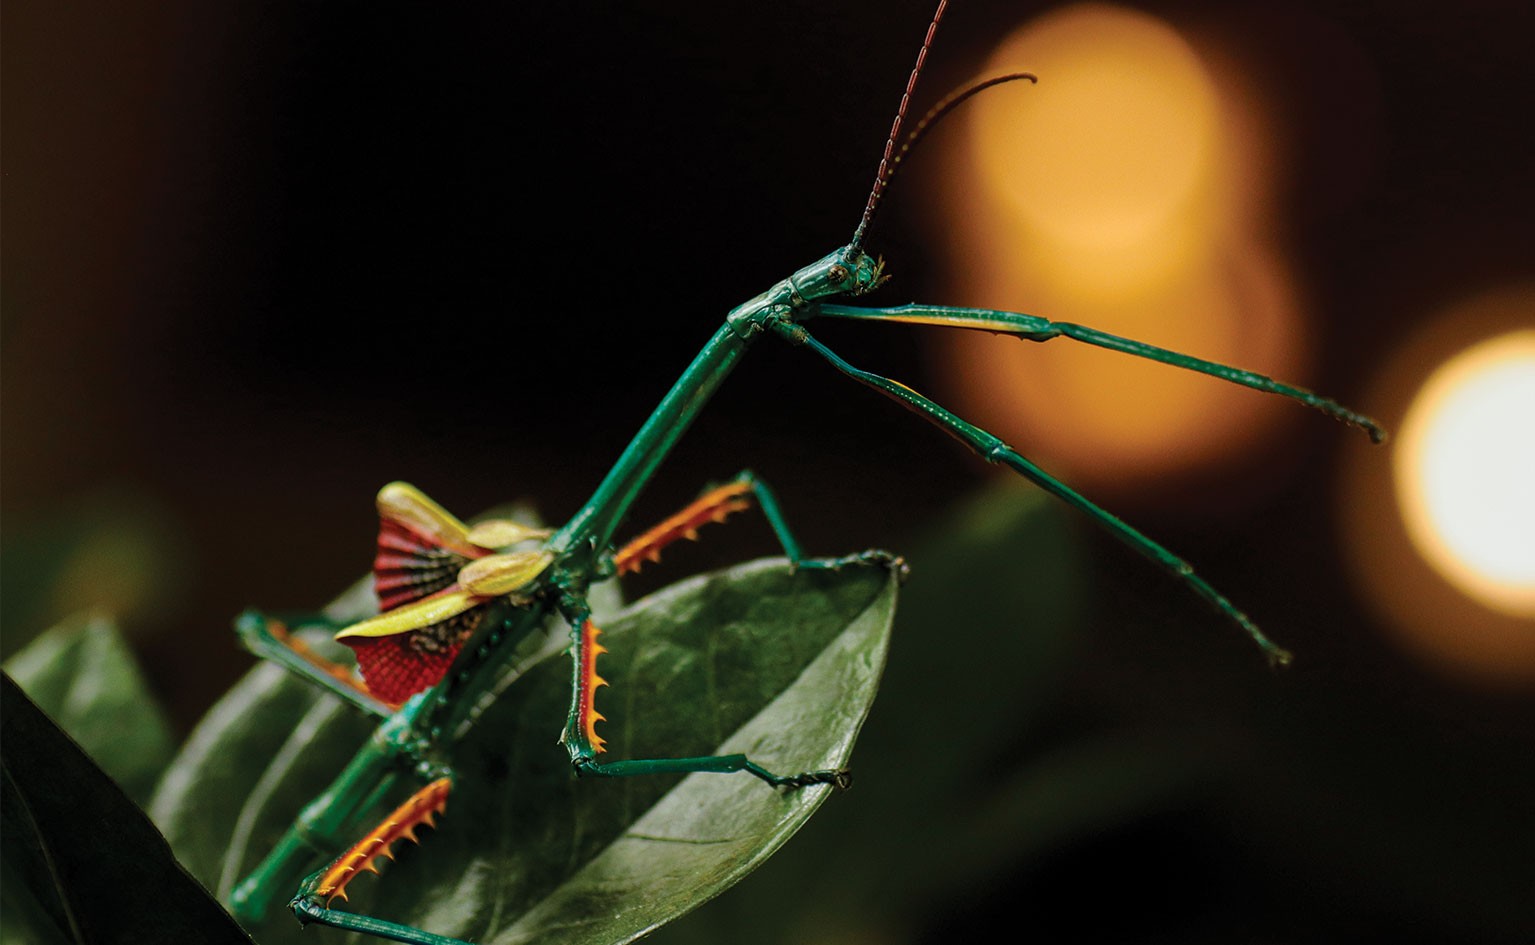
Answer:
(271, 640)
(584, 744)
(715, 505)
(1034, 328)
(312, 904)
(993, 450)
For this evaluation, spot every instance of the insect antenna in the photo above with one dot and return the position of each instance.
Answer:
(882, 175)
(891, 160)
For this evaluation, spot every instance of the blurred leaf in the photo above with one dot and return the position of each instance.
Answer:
(1388, 806)
(82, 864)
(117, 551)
(82, 674)
(1084, 788)
(755, 659)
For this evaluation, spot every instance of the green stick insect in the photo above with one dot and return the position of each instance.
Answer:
(455, 601)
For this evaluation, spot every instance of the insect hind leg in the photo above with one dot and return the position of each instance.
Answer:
(312, 904)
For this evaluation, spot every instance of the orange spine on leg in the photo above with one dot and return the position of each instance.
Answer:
(420, 809)
(588, 714)
(334, 670)
(713, 506)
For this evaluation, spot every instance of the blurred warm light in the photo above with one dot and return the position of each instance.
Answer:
(1118, 146)
(1125, 192)
(1442, 531)
(1465, 471)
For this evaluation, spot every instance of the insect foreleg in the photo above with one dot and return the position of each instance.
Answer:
(583, 743)
(1034, 328)
(993, 450)
(271, 640)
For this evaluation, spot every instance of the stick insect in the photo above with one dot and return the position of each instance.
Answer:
(455, 600)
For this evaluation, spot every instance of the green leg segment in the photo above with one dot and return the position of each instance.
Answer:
(768, 503)
(255, 632)
(993, 450)
(716, 764)
(1034, 328)
(308, 910)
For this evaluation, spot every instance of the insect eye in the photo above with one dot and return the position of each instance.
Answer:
(837, 274)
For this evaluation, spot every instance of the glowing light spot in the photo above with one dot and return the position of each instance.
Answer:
(1125, 191)
(1440, 529)
(1122, 137)
(1465, 471)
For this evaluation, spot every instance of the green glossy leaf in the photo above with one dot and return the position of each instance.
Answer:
(780, 666)
(82, 674)
(990, 622)
(81, 863)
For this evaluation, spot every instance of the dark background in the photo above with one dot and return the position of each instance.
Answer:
(259, 261)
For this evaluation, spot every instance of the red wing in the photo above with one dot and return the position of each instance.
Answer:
(410, 566)
(398, 666)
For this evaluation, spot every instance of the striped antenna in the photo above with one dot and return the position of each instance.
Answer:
(881, 178)
(935, 114)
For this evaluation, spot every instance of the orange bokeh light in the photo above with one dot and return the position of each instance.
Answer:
(1122, 192)
(1117, 145)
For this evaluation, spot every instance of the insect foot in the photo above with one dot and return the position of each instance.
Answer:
(840, 778)
(888, 560)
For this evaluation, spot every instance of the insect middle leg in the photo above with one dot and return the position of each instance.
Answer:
(715, 505)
